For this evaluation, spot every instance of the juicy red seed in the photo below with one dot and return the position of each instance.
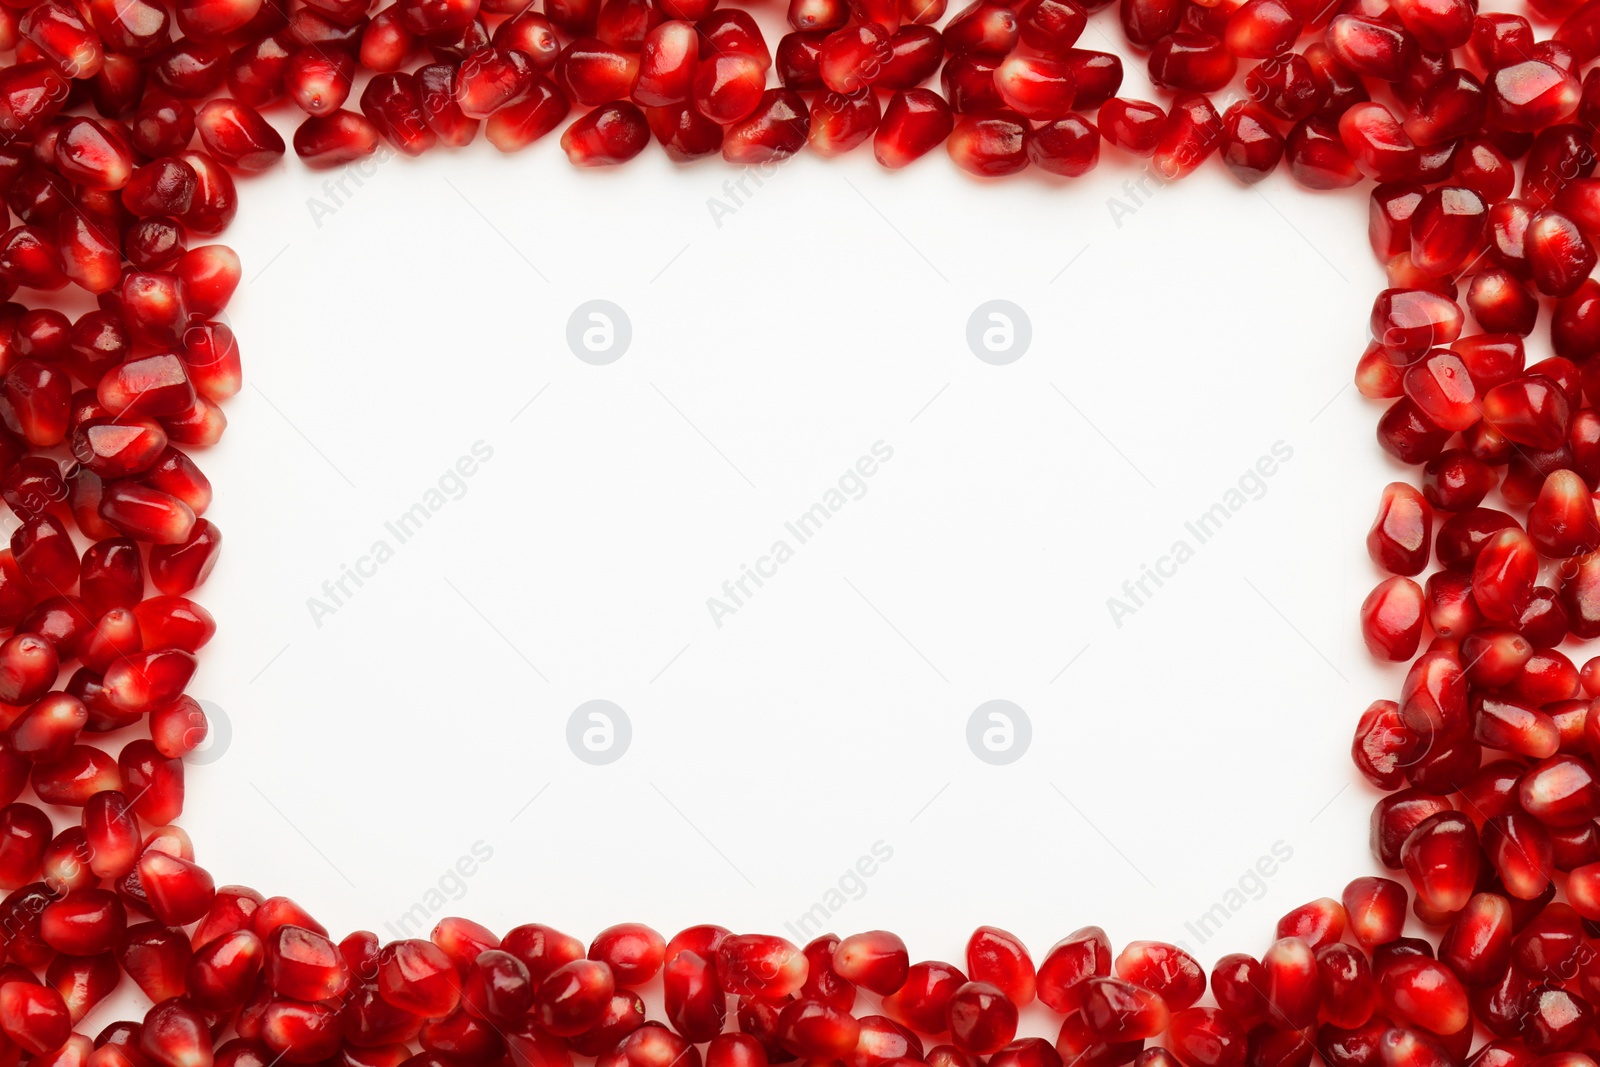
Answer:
(1163, 969)
(981, 1018)
(922, 1002)
(1118, 1011)
(1441, 857)
(1080, 956)
(573, 997)
(989, 145)
(914, 122)
(877, 960)
(606, 136)
(237, 134)
(633, 951)
(1001, 959)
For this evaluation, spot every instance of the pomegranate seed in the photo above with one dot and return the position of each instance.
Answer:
(1206, 1037)
(1132, 125)
(1441, 857)
(1037, 87)
(1531, 95)
(34, 1016)
(840, 123)
(606, 136)
(1192, 132)
(981, 1019)
(814, 1030)
(914, 122)
(1163, 969)
(1192, 62)
(1252, 147)
(989, 145)
(923, 1001)
(1080, 956)
(1000, 959)
(1293, 984)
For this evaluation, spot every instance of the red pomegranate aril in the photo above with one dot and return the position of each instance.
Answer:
(93, 155)
(1369, 46)
(176, 569)
(853, 58)
(884, 1041)
(1132, 125)
(1376, 910)
(1239, 984)
(1082, 955)
(236, 133)
(1191, 62)
(155, 386)
(223, 972)
(990, 144)
(1117, 1011)
(695, 1004)
(1163, 969)
(416, 976)
(1037, 87)
(592, 72)
(1441, 857)
(684, 133)
(1377, 142)
(1559, 256)
(776, 130)
(914, 123)
(573, 997)
(334, 139)
(983, 28)
(840, 123)
(1252, 148)
(1530, 95)
(606, 136)
(391, 103)
(1293, 984)
(922, 1002)
(667, 61)
(1261, 29)
(1425, 993)
(1531, 410)
(981, 1019)
(1069, 146)
(967, 82)
(727, 88)
(304, 965)
(633, 951)
(1193, 131)
(1477, 946)
(1206, 1037)
(814, 1030)
(1519, 848)
(34, 1017)
(999, 958)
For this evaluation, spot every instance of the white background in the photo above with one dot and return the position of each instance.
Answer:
(829, 312)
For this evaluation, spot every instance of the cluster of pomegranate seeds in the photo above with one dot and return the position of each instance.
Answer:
(123, 124)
